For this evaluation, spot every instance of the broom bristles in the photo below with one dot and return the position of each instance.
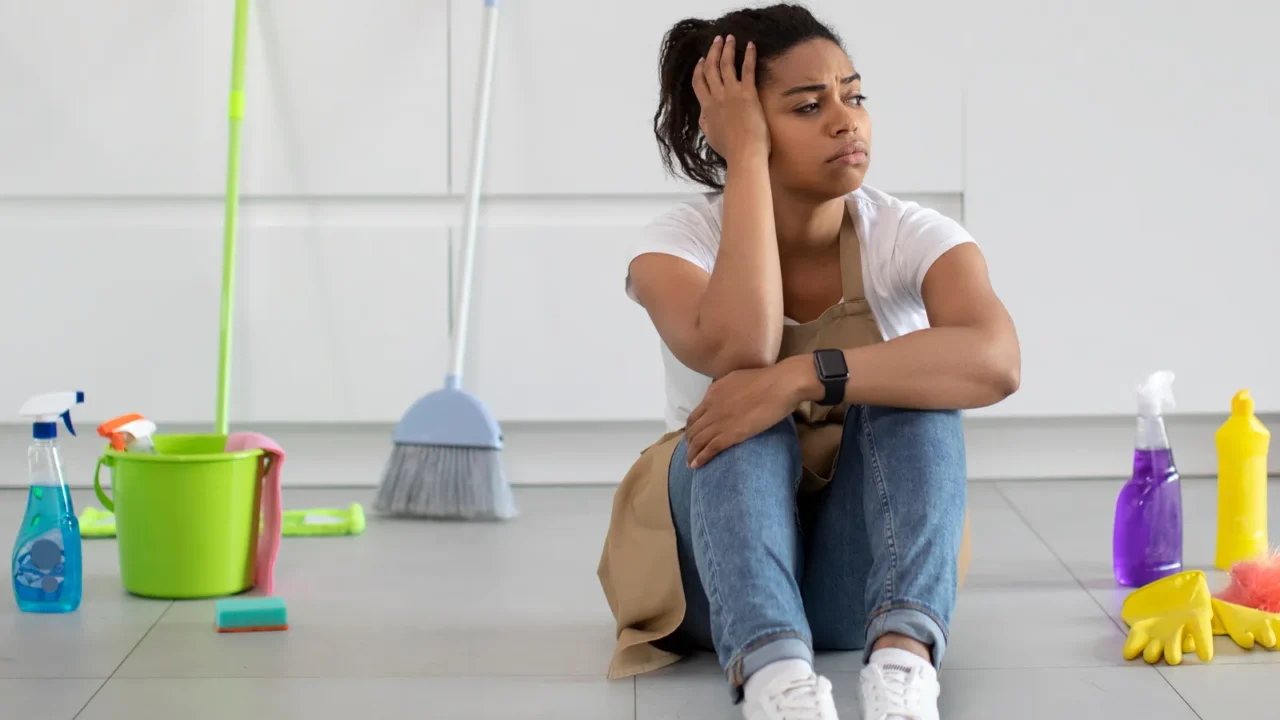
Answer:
(432, 481)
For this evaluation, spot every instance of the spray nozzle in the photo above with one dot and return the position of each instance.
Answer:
(47, 409)
(126, 429)
(1155, 394)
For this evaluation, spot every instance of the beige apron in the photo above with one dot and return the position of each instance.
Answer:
(640, 569)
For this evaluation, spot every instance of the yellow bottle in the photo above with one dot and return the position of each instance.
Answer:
(1242, 443)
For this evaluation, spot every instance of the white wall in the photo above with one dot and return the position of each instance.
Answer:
(1115, 160)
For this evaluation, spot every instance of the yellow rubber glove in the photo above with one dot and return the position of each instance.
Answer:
(1165, 635)
(1162, 616)
(1246, 625)
(1189, 643)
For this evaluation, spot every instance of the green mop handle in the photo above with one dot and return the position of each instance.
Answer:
(230, 220)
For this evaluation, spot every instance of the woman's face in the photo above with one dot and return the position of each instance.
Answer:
(819, 130)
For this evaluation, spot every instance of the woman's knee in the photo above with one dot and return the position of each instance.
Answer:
(773, 452)
(927, 445)
(771, 457)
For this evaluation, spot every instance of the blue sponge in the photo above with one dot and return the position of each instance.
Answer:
(256, 614)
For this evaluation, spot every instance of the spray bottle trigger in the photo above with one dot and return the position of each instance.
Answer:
(66, 419)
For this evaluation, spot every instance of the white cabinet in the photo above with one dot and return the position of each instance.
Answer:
(331, 325)
(129, 315)
(130, 98)
(349, 99)
(1121, 176)
(553, 335)
(574, 98)
(339, 324)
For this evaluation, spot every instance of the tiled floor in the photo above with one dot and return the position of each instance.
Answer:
(470, 621)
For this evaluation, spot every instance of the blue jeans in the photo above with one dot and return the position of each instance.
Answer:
(770, 574)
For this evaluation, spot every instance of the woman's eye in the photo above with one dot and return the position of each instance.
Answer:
(807, 108)
(858, 99)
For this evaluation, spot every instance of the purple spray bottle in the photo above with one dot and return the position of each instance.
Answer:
(1147, 544)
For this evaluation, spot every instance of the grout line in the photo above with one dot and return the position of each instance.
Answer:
(1124, 632)
(124, 659)
(1079, 583)
(91, 697)
(1175, 692)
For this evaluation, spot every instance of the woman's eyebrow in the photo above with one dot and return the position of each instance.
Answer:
(819, 87)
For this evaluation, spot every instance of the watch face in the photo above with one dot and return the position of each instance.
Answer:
(831, 364)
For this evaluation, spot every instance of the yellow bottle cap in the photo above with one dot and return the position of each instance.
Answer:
(1242, 403)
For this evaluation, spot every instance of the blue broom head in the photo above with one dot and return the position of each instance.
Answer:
(450, 417)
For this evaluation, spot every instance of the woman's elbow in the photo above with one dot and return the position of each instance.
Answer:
(741, 358)
(731, 356)
(1009, 379)
(1004, 368)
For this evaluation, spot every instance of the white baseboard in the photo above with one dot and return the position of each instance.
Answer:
(595, 454)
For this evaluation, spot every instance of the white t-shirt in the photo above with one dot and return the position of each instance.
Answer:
(899, 239)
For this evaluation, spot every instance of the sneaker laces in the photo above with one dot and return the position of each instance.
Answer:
(800, 699)
(897, 694)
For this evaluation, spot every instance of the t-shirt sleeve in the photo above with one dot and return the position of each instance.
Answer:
(683, 232)
(924, 236)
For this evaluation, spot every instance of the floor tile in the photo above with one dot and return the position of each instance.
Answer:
(674, 694)
(1075, 519)
(64, 646)
(45, 699)
(1060, 694)
(1020, 607)
(1226, 692)
(468, 698)
(363, 646)
(1046, 694)
(507, 620)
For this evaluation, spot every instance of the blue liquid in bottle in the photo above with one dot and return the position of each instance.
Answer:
(47, 563)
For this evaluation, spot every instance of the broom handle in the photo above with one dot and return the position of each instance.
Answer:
(236, 114)
(471, 220)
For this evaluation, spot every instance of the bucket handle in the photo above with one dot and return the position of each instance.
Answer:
(97, 484)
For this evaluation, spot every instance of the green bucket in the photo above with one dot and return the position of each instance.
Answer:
(186, 517)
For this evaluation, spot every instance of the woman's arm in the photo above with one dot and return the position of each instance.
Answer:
(969, 356)
(731, 318)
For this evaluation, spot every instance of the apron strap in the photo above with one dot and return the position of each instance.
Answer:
(850, 260)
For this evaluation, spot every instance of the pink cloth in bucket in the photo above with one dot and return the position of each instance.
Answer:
(271, 510)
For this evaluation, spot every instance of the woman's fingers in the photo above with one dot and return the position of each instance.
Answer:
(749, 66)
(708, 452)
(727, 55)
(711, 68)
(700, 89)
(696, 434)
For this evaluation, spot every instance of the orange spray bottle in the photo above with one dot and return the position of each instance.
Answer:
(1242, 443)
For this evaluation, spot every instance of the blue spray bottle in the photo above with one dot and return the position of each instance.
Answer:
(47, 567)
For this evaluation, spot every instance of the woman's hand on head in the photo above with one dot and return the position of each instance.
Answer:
(732, 117)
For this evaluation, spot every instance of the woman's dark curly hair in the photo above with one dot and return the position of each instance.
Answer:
(775, 30)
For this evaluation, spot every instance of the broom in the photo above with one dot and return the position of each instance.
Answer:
(447, 456)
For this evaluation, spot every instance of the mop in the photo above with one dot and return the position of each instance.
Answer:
(446, 462)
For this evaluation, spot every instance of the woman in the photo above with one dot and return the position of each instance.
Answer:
(819, 338)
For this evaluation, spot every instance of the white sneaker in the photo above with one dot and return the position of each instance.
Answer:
(897, 685)
(793, 697)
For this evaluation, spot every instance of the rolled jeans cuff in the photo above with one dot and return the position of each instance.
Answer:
(911, 620)
(769, 649)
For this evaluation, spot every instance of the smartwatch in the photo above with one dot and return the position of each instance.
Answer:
(834, 374)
